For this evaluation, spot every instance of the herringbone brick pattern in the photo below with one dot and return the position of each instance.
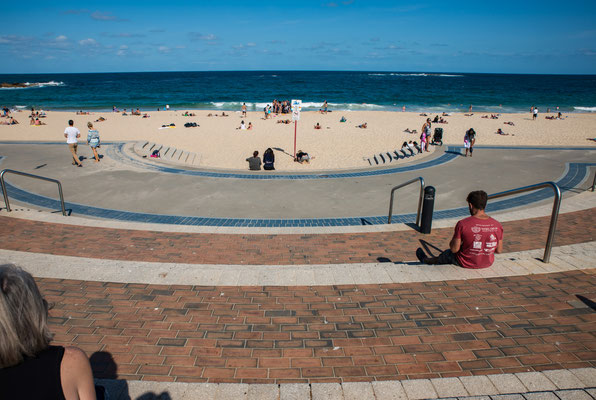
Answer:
(269, 249)
(328, 333)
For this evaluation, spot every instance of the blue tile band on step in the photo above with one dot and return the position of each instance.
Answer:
(575, 173)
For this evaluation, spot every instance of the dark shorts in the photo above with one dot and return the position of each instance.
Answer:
(447, 257)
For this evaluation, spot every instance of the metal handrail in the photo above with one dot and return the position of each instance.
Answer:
(421, 180)
(43, 178)
(554, 216)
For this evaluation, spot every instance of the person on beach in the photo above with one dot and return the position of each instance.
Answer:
(249, 128)
(475, 240)
(242, 126)
(404, 148)
(268, 160)
(302, 157)
(500, 132)
(254, 162)
(535, 114)
(93, 140)
(469, 140)
(31, 368)
(72, 134)
(425, 135)
(324, 109)
(317, 126)
(362, 126)
(244, 110)
(415, 146)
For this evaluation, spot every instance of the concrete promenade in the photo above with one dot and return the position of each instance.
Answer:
(311, 312)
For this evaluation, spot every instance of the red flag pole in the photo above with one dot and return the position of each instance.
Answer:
(295, 129)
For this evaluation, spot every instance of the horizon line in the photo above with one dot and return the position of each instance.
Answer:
(297, 70)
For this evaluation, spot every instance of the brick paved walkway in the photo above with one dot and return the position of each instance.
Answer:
(268, 249)
(328, 333)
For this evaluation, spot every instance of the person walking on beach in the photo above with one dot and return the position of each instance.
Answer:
(244, 110)
(469, 140)
(475, 240)
(72, 134)
(535, 113)
(93, 140)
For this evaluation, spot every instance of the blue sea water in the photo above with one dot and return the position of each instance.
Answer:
(343, 90)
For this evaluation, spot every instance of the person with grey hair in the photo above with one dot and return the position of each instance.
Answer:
(30, 368)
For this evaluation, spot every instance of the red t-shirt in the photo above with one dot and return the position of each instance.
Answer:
(479, 240)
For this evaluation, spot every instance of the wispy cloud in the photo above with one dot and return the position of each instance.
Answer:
(105, 16)
(88, 42)
(587, 52)
(390, 47)
(122, 51)
(196, 36)
(124, 35)
(96, 15)
(14, 39)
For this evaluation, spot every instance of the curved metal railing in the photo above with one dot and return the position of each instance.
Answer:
(419, 179)
(554, 215)
(43, 178)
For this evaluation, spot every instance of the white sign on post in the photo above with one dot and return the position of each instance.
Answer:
(296, 106)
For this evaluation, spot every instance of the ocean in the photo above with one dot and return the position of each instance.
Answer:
(375, 91)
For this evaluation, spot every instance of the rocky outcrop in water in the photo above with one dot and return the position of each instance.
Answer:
(13, 85)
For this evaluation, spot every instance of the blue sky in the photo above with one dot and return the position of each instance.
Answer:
(431, 36)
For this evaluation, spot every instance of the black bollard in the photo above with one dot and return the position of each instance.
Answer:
(428, 204)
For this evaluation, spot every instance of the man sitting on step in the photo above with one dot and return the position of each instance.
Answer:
(475, 241)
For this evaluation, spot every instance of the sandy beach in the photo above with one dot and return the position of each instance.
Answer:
(336, 146)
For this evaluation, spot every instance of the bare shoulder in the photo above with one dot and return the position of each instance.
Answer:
(76, 375)
(74, 356)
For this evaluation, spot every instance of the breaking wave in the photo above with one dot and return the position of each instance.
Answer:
(414, 74)
(585, 109)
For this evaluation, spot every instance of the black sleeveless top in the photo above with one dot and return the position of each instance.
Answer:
(35, 378)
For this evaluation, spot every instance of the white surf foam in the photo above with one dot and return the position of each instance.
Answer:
(415, 74)
(585, 109)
